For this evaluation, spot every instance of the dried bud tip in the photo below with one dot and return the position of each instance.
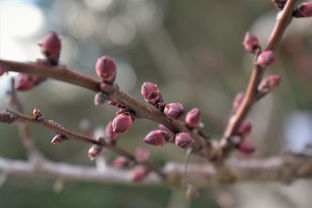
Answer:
(122, 123)
(7, 117)
(238, 100)
(100, 98)
(138, 174)
(150, 92)
(266, 58)
(120, 162)
(174, 111)
(184, 140)
(251, 42)
(303, 10)
(247, 147)
(23, 82)
(109, 132)
(58, 138)
(193, 118)
(37, 114)
(191, 192)
(142, 155)
(245, 129)
(51, 47)
(94, 151)
(105, 68)
(155, 138)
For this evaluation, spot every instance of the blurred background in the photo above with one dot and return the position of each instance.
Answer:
(193, 51)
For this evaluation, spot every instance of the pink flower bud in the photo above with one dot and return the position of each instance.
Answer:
(105, 68)
(174, 111)
(251, 42)
(23, 82)
(184, 140)
(238, 100)
(193, 118)
(141, 155)
(266, 58)
(109, 132)
(245, 129)
(138, 174)
(155, 138)
(247, 147)
(120, 162)
(150, 92)
(270, 83)
(303, 10)
(58, 139)
(94, 151)
(7, 117)
(51, 47)
(121, 123)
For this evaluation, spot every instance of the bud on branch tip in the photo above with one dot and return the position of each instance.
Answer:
(105, 68)
(51, 47)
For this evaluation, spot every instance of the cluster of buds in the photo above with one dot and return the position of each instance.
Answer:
(251, 43)
(7, 117)
(51, 47)
(303, 10)
(268, 84)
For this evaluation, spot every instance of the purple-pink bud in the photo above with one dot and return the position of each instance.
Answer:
(304, 10)
(138, 174)
(193, 118)
(251, 42)
(150, 92)
(174, 111)
(247, 147)
(155, 138)
(271, 82)
(23, 82)
(51, 47)
(120, 162)
(238, 100)
(58, 138)
(109, 132)
(184, 140)
(94, 151)
(105, 68)
(121, 123)
(266, 58)
(245, 129)
(141, 155)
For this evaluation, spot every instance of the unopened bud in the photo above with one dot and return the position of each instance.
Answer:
(121, 123)
(7, 117)
(100, 98)
(245, 129)
(141, 155)
(138, 174)
(94, 151)
(184, 140)
(23, 82)
(174, 111)
(266, 58)
(191, 192)
(51, 47)
(246, 147)
(193, 118)
(110, 134)
(303, 10)
(37, 114)
(105, 68)
(270, 83)
(150, 92)
(251, 42)
(120, 162)
(238, 100)
(155, 138)
(58, 138)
